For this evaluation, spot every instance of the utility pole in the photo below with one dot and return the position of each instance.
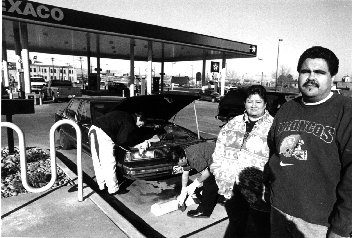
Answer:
(82, 79)
(52, 62)
(261, 82)
(277, 63)
(192, 72)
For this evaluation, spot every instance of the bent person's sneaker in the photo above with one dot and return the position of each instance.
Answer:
(197, 214)
(116, 189)
(102, 186)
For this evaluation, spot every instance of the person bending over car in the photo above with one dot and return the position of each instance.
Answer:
(113, 128)
(197, 157)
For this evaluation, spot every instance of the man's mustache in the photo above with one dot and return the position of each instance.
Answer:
(311, 82)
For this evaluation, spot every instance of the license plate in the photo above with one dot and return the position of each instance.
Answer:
(177, 169)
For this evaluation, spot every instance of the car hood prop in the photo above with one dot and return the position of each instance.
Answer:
(195, 113)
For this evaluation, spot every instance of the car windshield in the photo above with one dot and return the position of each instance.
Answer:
(61, 83)
(101, 108)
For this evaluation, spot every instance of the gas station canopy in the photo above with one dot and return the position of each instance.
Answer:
(57, 30)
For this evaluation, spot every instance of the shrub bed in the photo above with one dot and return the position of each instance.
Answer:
(38, 171)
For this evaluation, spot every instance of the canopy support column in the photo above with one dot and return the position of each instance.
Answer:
(131, 81)
(4, 60)
(162, 67)
(223, 75)
(25, 57)
(203, 69)
(149, 67)
(98, 63)
(89, 71)
(18, 47)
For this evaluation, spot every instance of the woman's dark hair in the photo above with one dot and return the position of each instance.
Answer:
(256, 89)
(318, 52)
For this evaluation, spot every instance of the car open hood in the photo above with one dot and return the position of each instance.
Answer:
(162, 106)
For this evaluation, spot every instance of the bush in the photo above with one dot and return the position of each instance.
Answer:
(38, 171)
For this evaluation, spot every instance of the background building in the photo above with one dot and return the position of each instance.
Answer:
(54, 72)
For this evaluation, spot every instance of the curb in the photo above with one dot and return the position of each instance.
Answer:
(124, 225)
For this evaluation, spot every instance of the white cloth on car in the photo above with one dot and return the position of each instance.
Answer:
(102, 150)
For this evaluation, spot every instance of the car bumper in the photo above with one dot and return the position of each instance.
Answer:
(155, 170)
(36, 90)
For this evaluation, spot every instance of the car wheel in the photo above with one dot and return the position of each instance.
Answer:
(45, 97)
(54, 98)
(64, 141)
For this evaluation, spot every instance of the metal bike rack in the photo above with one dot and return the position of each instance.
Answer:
(23, 160)
(79, 151)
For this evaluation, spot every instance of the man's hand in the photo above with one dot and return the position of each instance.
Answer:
(192, 187)
(266, 194)
(182, 197)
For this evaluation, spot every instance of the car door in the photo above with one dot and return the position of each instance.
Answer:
(71, 113)
(85, 122)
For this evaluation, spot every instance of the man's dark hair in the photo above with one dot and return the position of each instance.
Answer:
(318, 52)
(176, 152)
(257, 89)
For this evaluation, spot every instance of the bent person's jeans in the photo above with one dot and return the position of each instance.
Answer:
(102, 150)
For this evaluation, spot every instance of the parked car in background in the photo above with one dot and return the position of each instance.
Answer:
(209, 95)
(118, 88)
(232, 104)
(159, 109)
(60, 89)
(37, 84)
(335, 90)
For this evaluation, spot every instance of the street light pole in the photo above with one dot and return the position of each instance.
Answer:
(52, 61)
(261, 82)
(82, 77)
(277, 62)
(192, 74)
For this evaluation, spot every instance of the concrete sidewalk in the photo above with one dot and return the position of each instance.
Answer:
(58, 213)
(55, 213)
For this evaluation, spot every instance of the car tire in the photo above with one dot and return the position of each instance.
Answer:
(64, 142)
(54, 97)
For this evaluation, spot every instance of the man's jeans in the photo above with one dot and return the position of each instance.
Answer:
(102, 150)
(284, 225)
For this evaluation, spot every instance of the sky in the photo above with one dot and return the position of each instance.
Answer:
(299, 23)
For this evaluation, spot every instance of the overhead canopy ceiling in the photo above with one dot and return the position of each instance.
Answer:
(64, 31)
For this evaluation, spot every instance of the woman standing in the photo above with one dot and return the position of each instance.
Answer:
(238, 162)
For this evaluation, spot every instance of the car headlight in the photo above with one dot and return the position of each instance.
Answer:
(128, 157)
(136, 155)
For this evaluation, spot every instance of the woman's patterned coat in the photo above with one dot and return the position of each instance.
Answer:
(240, 158)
